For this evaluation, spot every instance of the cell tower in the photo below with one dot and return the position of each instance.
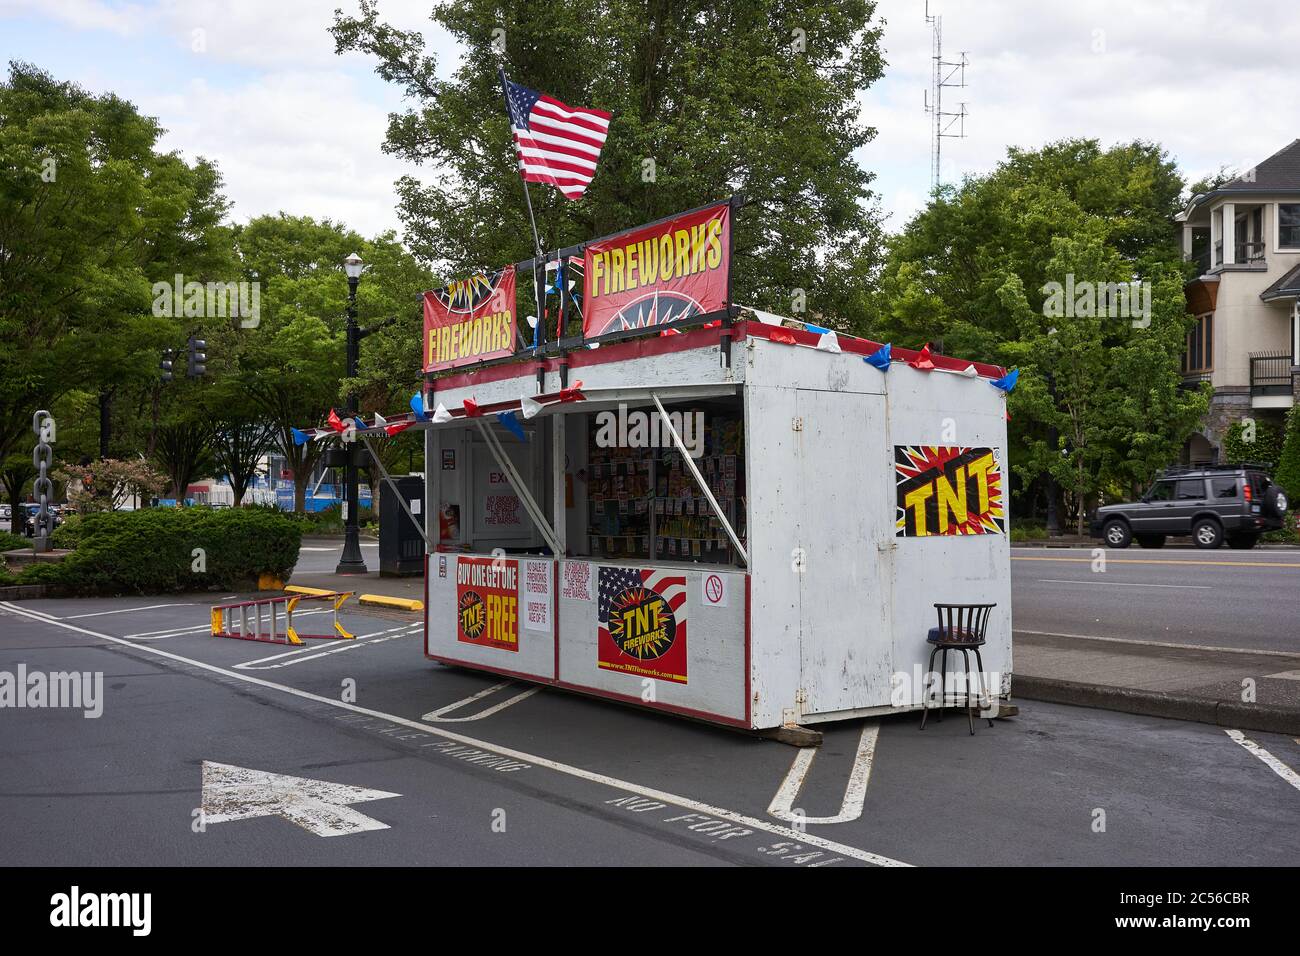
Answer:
(945, 73)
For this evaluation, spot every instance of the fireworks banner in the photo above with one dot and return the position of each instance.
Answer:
(470, 320)
(658, 274)
(641, 623)
(948, 490)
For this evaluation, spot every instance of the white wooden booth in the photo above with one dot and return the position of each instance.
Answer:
(785, 574)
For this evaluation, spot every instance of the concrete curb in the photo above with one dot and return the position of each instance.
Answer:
(19, 592)
(1205, 710)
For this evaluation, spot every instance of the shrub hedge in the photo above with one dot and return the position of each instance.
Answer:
(11, 542)
(153, 550)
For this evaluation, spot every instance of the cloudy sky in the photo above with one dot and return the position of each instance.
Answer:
(255, 85)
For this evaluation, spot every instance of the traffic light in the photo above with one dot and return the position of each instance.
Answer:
(165, 366)
(198, 357)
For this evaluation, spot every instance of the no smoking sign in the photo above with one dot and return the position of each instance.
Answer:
(714, 588)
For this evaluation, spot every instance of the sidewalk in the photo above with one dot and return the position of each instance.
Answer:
(1160, 680)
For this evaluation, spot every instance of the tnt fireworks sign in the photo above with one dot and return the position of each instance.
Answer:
(641, 623)
(487, 602)
(470, 320)
(658, 273)
(946, 490)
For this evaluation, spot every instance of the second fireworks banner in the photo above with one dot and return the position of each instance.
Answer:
(657, 274)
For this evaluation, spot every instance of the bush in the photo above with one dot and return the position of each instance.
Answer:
(1288, 466)
(1027, 532)
(152, 550)
(1266, 447)
(65, 535)
(10, 541)
(330, 520)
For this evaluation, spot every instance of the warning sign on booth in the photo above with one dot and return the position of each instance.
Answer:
(713, 590)
(537, 595)
(487, 602)
(577, 580)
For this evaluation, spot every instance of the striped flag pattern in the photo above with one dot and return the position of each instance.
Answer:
(557, 144)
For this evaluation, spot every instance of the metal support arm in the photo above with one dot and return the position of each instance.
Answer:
(699, 479)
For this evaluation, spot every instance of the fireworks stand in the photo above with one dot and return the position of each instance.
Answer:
(695, 507)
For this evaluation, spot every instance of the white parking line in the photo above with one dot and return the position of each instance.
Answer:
(1277, 766)
(1124, 584)
(436, 715)
(25, 610)
(124, 610)
(855, 792)
(651, 793)
(299, 655)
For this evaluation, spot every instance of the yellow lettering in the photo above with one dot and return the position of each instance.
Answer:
(697, 247)
(715, 243)
(633, 267)
(915, 501)
(952, 499)
(683, 239)
(980, 468)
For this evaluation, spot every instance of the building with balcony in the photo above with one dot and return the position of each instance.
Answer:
(1244, 237)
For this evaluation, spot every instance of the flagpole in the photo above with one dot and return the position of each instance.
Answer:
(538, 290)
(537, 241)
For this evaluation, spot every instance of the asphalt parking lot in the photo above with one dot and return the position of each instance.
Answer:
(223, 752)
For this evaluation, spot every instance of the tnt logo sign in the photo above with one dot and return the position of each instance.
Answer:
(947, 490)
(487, 602)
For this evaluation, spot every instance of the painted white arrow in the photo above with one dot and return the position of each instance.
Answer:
(238, 793)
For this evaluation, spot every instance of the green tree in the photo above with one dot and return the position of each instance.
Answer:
(291, 364)
(1288, 467)
(16, 474)
(89, 211)
(707, 99)
(985, 270)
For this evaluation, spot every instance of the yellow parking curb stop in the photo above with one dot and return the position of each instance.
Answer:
(383, 600)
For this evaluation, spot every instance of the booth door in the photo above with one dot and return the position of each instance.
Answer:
(845, 530)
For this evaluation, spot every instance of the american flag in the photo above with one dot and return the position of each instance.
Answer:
(557, 144)
(614, 581)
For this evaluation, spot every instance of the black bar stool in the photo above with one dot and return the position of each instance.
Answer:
(961, 628)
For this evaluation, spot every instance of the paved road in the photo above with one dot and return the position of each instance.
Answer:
(553, 778)
(1223, 598)
(321, 555)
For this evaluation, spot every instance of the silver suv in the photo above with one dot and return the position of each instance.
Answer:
(1236, 503)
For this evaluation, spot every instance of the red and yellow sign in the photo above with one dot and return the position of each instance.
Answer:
(487, 602)
(659, 273)
(470, 320)
(946, 490)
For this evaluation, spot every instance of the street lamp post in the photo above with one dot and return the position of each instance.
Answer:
(352, 562)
